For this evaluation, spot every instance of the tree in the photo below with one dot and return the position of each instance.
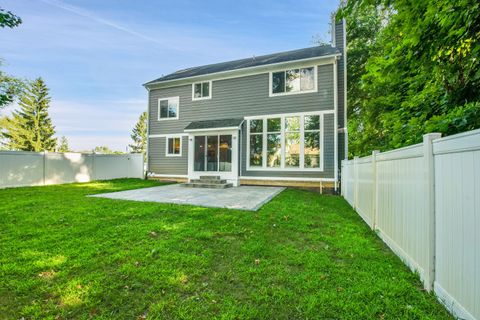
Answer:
(30, 128)
(105, 150)
(10, 87)
(8, 19)
(139, 135)
(63, 145)
(413, 68)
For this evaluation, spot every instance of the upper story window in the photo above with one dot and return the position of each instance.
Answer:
(301, 80)
(168, 108)
(202, 90)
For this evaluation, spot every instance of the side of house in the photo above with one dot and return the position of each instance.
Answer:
(275, 119)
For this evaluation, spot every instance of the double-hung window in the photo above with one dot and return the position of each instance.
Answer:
(168, 108)
(301, 80)
(174, 146)
(202, 90)
(285, 142)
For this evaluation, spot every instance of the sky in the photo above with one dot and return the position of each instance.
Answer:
(94, 55)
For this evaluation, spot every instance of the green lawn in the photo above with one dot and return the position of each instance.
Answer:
(302, 256)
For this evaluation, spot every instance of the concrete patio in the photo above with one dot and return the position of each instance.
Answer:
(243, 198)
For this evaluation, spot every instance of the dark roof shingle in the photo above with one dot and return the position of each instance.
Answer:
(214, 124)
(285, 56)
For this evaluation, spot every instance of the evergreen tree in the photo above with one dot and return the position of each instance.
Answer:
(30, 128)
(139, 135)
(63, 145)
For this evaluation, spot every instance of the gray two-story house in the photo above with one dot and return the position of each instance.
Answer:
(277, 119)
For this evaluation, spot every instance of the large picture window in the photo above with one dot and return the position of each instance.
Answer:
(291, 81)
(290, 142)
(168, 108)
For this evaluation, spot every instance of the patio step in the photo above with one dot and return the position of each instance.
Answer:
(213, 182)
(209, 177)
(208, 185)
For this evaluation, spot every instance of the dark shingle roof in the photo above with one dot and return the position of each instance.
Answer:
(214, 124)
(285, 56)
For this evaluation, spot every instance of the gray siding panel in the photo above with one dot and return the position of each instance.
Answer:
(160, 164)
(239, 97)
(234, 98)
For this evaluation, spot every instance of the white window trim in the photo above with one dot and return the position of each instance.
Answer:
(315, 82)
(282, 167)
(178, 108)
(209, 91)
(167, 154)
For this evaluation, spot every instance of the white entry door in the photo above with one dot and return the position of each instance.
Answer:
(214, 154)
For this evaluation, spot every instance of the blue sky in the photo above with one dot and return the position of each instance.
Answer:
(95, 54)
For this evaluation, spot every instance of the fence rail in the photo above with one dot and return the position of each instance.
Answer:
(19, 168)
(424, 203)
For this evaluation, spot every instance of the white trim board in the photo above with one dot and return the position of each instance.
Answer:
(287, 179)
(168, 135)
(213, 129)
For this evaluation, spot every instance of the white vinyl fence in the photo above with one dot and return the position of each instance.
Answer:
(19, 168)
(424, 203)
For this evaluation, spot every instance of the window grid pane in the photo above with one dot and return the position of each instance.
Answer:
(205, 89)
(278, 82)
(198, 90)
(256, 150)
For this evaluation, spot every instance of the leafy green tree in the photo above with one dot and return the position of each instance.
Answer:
(139, 135)
(8, 19)
(105, 150)
(413, 68)
(30, 128)
(10, 88)
(63, 145)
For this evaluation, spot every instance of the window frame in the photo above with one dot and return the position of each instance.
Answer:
(210, 88)
(167, 139)
(264, 133)
(159, 111)
(315, 81)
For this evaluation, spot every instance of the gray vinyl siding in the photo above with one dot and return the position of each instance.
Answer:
(238, 98)
(160, 164)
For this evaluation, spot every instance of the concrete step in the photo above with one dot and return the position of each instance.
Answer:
(215, 181)
(208, 185)
(209, 177)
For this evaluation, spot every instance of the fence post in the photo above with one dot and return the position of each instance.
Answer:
(355, 183)
(374, 189)
(430, 199)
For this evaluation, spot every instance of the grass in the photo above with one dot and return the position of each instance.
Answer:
(302, 256)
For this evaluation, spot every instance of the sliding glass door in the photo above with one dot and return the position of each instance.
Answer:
(213, 153)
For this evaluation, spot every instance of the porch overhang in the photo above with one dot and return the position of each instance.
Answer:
(214, 125)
